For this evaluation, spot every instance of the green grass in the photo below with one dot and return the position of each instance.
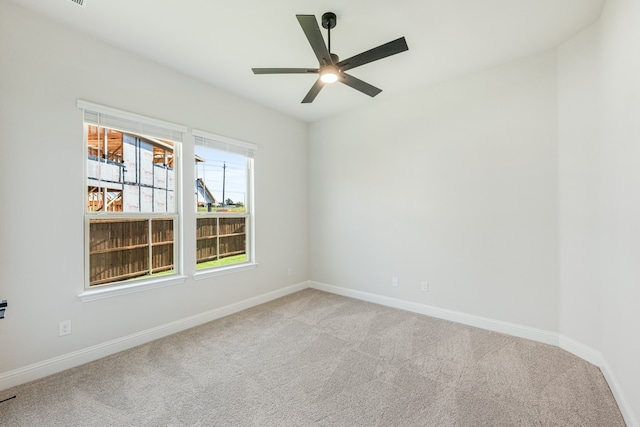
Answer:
(230, 208)
(162, 273)
(224, 261)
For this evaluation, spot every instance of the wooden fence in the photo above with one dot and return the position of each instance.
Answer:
(121, 249)
(219, 238)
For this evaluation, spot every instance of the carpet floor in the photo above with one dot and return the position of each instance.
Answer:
(318, 359)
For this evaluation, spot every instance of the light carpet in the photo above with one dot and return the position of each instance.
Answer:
(318, 359)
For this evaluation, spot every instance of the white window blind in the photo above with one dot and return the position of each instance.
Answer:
(224, 143)
(125, 121)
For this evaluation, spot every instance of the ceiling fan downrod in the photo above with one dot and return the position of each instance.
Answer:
(329, 21)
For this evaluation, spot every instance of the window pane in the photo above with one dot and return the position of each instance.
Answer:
(162, 245)
(221, 180)
(128, 172)
(206, 240)
(220, 241)
(119, 248)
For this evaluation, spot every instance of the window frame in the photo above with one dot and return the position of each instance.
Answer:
(108, 117)
(247, 149)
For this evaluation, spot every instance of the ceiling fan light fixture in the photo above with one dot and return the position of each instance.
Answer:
(329, 74)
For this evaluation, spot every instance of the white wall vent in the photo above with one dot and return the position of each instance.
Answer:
(78, 2)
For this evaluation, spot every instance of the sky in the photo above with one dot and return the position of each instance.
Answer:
(211, 171)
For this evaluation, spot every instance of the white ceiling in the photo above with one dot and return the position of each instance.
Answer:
(220, 41)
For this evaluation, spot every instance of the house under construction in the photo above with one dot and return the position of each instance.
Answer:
(127, 172)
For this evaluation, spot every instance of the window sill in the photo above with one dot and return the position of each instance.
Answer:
(205, 274)
(114, 291)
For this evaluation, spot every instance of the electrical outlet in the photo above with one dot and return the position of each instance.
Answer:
(290, 272)
(64, 328)
(424, 286)
(394, 282)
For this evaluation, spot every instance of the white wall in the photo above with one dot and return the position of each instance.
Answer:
(599, 145)
(454, 184)
(578, 188)
(44, 69)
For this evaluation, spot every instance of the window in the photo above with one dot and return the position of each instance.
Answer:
(224, 202)
(131, 215)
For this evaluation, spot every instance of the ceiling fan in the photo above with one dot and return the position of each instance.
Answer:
(331, 69)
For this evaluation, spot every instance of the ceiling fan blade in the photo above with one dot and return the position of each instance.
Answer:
(313, 92)
(382, 51)
(311, 29)
(360, 85)
(285, 70)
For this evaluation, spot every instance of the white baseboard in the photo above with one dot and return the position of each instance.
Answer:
(621, 398)
(85, 355)
(578, 349)
(443, 313)
(582, 351)
(596, 358)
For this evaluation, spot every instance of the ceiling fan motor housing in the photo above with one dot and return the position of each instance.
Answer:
(329, 20)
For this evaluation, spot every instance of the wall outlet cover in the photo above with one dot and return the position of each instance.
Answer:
(64, 328)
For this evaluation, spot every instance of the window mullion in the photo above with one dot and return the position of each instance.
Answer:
(150, 240)
(217, 238)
